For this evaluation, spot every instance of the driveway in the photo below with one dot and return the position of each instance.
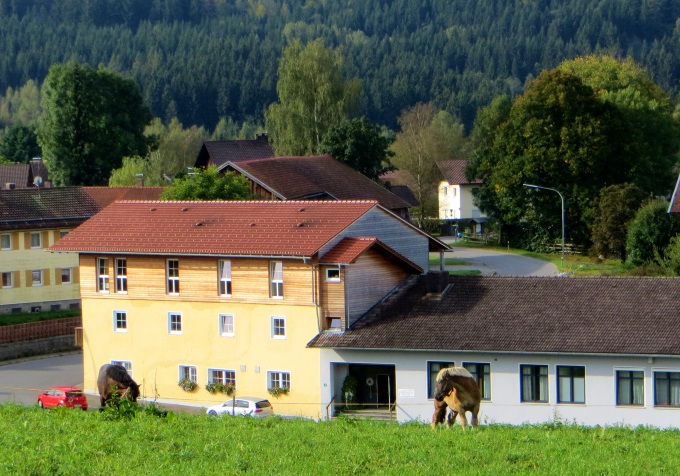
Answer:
(497, 263)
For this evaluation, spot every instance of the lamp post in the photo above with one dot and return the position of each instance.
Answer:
(562, 199)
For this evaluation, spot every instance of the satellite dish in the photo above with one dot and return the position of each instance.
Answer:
(38, 181)
(370, 381)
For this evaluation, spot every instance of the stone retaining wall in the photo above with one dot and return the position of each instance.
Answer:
(26, 348)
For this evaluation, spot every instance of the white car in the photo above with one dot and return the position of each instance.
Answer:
(249, 406)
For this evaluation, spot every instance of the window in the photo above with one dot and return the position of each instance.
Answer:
(333, 275)
(174, 323)
(278, 327)
(482, 374)
(5, 241)
(222, 376)
(227, 325)
(120, 321)
(63, 233)
(37, 277)
(433, 369)
(7, 279)
(66, 276)
(667, 389)
(630, 387)
(103, 275)
(534, 383)
(454, 191)
(224, 275)
(121, 275)
(279, 379)
(276, 279)
(187, 372)
(36, 240)
(571, 384)
(126, 364)
(172, 271)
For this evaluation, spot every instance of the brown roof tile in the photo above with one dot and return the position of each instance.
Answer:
(223, 151)
(454, 172)
(18, 174)
(301, 178)
(278, 228)
(544, 315)
(105, 196)
(45, 208)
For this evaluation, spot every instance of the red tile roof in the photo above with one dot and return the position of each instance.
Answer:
(454, 172)
(276, 228)
(349, 249)
(105, 196)
(301, 178)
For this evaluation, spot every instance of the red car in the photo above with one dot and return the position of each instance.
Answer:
(72, 397)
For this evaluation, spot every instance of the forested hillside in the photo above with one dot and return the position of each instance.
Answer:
(201, 60)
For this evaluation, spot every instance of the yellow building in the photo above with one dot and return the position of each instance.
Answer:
(232, 292)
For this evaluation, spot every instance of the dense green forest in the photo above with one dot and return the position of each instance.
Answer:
(201, 60)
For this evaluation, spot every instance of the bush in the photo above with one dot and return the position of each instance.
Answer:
(277, 392)
(219, 387)
(650, 233)
(187, 385)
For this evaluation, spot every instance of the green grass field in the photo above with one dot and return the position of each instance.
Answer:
(72, 442)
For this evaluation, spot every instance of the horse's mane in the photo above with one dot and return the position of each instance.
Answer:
(453, 372)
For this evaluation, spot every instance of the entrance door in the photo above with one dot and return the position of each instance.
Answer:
(384, 384)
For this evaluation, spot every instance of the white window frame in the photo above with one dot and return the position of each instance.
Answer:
(70, 275)
(11, 279)
(127, 364)
(228, 376)
(224, 278)
(172, 277)
(8, 238)
(187, 371)
(278, 378)
(226, 329)
(120, 278)
(36, 283)
(276, 279)
(170, 323)
(333, 279)
(275, 327)
(39, 240)
(117, 321)
(103, 278)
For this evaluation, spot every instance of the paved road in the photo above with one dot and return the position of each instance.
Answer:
(500, 264)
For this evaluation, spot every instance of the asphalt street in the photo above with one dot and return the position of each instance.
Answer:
(495, 263)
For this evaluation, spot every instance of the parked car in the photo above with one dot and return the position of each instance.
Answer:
(249, 406)
(72, 397)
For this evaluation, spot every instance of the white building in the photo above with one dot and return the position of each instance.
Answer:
(455, 194)
(570, 349)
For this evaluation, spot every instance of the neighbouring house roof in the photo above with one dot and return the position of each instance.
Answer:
(264, 228)
(593, 315)
(18, 174)
(34, 208)
(349, 249)
(316, 177)
(454, 172)
(105, 196)
(223, 151)
(401, 183)
(674, 207)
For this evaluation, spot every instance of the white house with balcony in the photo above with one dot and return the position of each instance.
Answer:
(456, 195)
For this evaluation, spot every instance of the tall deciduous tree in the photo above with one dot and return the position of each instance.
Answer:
(361, 145)
(313, 97)
(650, 233)
(208, 184)
(91, 120)
(427, 135)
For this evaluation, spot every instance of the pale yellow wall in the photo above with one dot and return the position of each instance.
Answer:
(456, 201)
(22, 259)
(156, 355)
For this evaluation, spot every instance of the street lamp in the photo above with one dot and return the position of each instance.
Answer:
(561, 198)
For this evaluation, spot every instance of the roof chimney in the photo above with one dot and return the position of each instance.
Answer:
(9, 186)
(140, 180)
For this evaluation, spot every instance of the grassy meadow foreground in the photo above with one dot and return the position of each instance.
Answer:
(68, 442)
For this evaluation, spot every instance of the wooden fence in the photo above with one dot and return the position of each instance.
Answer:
(39, 330)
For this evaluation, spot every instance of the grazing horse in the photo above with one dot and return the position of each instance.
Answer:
(114, 378)
(457, 389)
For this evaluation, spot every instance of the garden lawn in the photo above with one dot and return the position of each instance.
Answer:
(70, 442)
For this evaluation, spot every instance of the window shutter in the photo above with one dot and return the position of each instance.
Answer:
(57, 275)
(15, 241)
(45, 239)
(27, 240)
(75, 275)
(29, 278)
(46, 277)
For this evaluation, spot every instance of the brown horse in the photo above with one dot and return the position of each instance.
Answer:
(114, 378)
(457, 389)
